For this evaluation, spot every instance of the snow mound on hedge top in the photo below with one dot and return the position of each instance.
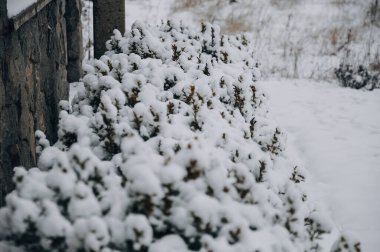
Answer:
(166, 147)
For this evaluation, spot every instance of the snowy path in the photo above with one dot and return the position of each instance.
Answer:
(337, 134)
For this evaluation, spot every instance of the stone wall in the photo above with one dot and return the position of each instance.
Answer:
(33, 79)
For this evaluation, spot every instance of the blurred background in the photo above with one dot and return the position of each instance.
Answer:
(293, 38)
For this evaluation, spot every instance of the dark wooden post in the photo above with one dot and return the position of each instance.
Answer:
(5, 185)
(108, 15)
(74, 40)
(3, 17)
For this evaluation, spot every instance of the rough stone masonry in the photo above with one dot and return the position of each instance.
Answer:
(35, 66)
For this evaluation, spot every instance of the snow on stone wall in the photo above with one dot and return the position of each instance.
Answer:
(15, 7)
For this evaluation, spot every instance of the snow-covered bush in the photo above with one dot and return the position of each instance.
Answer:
(166, 147)
(346, 243)
(359, 77)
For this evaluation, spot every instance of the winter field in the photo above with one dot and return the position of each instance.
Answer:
(336, 133)
(180, 138)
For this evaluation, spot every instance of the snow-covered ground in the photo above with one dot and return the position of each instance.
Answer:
(337, 133)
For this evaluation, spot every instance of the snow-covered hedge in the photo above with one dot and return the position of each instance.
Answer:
(357, 78)
(166, 147)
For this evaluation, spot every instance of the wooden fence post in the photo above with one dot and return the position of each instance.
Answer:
(108, 15)
(74, 40)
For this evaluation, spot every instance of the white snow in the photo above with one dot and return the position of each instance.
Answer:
(17, 6)
(170, 243)
(147, 10)
(337, 132)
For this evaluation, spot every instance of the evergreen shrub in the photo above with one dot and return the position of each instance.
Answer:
(167, 146)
